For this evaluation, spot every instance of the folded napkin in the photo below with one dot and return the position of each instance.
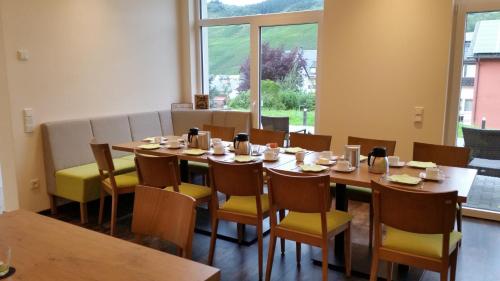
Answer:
(195, 152)
(293, 149)
(243, 158)
(421, 165)
(150, 146)
(312, 168)
(150, 139)
(404, 178)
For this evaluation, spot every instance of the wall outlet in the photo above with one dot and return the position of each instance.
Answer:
(34, 184)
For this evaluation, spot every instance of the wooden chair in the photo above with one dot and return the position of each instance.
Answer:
(307, 198)
(310, 142)
(446, 156)
(224, 133)
(418, 229)
(246, 205)
(111, 184)
(363, 194)
(163, 172)
(165, 214)
(263, 137)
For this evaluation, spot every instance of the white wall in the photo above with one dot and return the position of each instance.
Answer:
(380, 59)
(88, 58)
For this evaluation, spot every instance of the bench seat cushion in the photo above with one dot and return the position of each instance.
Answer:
(487, 167)
(82, 183)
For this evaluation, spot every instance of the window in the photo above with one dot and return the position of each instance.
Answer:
(241, 39)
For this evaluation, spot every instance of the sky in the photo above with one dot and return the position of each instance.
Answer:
(241, 2)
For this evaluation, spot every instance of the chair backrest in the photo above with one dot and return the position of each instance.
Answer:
(158, 171)
(224, 133)
(306, 194)
(275, 123)
(412, 211)
(483, 143)
(367, 145)
(441, 154)
(310, 142)
(264, 137)
(165, 214)
(102, 155)
(238, 179)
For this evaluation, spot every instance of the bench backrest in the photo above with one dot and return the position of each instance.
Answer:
(483, 143)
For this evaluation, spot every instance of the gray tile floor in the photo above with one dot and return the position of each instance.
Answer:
(485, 194)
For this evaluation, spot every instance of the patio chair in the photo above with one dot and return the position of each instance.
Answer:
(485, 148)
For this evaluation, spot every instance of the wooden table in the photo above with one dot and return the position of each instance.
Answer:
(47, 249)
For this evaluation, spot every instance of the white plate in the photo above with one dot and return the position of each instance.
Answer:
(330, 163)
(399, 165)
(343, 171)
(423, 175)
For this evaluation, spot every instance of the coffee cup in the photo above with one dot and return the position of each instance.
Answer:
(324, 161)
(393, 160)
(300, 155)
(269, 155)
(432, 173)
(343, 165)
(173, 143)
(216, 141)
(219, 148)
(326, 154)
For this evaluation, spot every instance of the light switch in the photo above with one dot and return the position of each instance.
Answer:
(28, 120)
(23, 55)
(419, 114)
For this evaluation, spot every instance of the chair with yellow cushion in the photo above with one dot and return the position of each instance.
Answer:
(111, 184)
(246, 205)
(164, 172)
(418, 230)
(309, 220)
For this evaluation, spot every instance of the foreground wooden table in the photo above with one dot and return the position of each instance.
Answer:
(47, 249)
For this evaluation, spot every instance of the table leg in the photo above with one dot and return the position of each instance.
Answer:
(341, 204)
(184, 169)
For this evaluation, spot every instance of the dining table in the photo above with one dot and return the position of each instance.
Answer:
(47, 249)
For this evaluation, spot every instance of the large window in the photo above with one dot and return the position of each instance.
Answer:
(260, 55)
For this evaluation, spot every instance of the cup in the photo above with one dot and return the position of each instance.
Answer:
(326, 154)
(300, 155)
(184, 137)
(219, 148)
(5, 256)
(324, 161)
(256, 149)
(269, 155)
(432, 173)
(173, 143)
(393, 160)
(216, 141)
(343, 165)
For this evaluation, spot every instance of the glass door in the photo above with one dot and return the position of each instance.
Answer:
(288, 59)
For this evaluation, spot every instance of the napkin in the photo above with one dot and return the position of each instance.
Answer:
(421, 165)
(404, 178)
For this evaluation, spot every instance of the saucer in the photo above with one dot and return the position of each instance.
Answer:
(400, 164)
(270, 160)
(223, 153)
(423, 175)
(343, 171)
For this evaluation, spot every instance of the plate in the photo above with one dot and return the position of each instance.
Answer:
(399, 165)
(293, 150)
(151, 146)
(223, 153)
(271, 160)
(330, 163)
(312, 168)
(404, 179)
(244, 158)
(343, 171)
(423, 175)
(421, 165)
(194, 152)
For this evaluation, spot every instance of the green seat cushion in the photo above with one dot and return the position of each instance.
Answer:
(311, 222)
(82, 183)
(193, 190)
(198, 165)
(130, 157)
(125, 180)
(427, 245)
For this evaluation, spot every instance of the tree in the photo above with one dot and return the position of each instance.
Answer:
(277, 64)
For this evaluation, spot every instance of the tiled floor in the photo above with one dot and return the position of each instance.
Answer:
(485, 194)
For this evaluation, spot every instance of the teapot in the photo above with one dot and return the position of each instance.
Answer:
(204, 140)
(241, 144)
(377, 161)
(193, 137)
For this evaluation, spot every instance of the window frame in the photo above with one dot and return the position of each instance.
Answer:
(256, 22)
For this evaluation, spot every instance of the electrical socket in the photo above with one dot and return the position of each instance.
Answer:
(35, 184)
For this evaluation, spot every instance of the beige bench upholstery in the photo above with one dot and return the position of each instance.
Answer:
(70, 167)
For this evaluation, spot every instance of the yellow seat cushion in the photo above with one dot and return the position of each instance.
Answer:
(311, 222)
(193, 190)
(428, 245)
(198, 165)
(130, 157)
(82, 183)
(246, 204)
(125, 180)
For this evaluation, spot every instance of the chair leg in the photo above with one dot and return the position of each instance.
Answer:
(459, 221)
(270, 255)
(260, 250)
(370, 235)
(324, 260)
(347, 251)
(282, 240)
(114, 209)
(101, 205)
(241, 232)
(213, 238)
(374, 266)
(83, 213)
(53, 204)
(389, 270)
(453, 265)
(298, 251)
(444, 274)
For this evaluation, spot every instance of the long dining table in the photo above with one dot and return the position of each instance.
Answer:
(459, 179)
